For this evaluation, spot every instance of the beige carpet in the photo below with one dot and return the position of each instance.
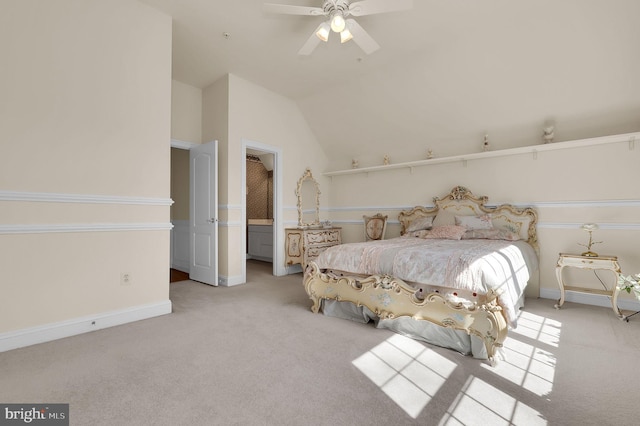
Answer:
(255, 355)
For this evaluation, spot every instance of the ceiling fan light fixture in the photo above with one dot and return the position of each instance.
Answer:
(345, 36)
(338, 23)
(323, 31)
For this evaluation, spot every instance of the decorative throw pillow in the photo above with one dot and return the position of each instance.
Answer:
(417, 234)
(444, 218)
(491, 234)
(447, 232)
(420, 224)
(475, 222)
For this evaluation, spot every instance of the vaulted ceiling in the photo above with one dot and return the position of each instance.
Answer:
(447, 73)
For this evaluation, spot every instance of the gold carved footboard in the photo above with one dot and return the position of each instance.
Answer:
(390, 298)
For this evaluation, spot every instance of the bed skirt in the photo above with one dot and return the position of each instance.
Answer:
(425, 331)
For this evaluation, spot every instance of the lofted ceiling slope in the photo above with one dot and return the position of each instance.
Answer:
(447, 73)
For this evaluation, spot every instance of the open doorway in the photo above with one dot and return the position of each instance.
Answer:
(180, 172)
(259, 202)
(194, 213)
(262, 205)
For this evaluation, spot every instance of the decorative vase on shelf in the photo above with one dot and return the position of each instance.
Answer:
(547, 134)
(485, 143)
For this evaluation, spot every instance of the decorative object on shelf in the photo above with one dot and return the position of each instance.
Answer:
(355, 164)
(589, 227)
(547, 134)
(386, 160)
(485, 143)
(429, 154)
(327, 224)
(630, 283)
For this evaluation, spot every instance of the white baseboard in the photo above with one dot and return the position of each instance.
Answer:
(589, 299)
(48, 332)
(230, 281)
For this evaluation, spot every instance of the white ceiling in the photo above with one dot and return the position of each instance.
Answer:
(448, 71)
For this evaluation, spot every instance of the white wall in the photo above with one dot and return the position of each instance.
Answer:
(84, 163)
(186, 112)
(258, 115)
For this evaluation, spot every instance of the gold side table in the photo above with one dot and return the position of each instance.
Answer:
(608, 263)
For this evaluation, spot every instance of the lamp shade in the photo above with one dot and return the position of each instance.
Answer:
(345, 36)
(589, 227)
(323, 31)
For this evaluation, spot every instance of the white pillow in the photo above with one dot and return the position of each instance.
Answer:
(444, 218)
(491, 234)
(420, 224)
(475, 222)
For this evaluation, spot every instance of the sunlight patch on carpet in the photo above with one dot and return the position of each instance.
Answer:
(480, 403)
(527, 360)
(406, 371)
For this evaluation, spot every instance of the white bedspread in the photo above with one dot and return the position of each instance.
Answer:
(475, 266)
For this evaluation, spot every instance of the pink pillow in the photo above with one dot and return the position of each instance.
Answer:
(447, 232)
(416, 234)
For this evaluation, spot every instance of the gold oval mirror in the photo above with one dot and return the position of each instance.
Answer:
(308, 193)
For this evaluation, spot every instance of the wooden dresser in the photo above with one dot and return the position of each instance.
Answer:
(304, 245)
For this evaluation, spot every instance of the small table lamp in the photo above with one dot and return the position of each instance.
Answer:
(590, 227)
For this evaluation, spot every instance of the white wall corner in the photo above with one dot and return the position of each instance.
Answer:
(230, 281)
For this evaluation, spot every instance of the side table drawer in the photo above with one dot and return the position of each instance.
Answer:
(600, 262)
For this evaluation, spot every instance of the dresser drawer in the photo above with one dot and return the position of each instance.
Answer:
(315, 251)
(304, 245)
(322, 236)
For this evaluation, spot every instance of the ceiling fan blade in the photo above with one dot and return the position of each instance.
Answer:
(309, 45)
(292, 10)
(362, 38)
(371, 7)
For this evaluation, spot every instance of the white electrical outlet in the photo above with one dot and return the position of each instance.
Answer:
(125, 278)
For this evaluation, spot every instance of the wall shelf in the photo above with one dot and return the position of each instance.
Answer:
(629, 138)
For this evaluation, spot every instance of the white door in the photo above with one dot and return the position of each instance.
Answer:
(203, 220)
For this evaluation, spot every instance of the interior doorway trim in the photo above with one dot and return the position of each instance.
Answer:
(278, 227)
(176, 143)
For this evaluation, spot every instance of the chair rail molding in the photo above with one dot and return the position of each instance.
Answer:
(51, 197)
(83, 227)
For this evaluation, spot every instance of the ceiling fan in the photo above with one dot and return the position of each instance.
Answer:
(338, 12)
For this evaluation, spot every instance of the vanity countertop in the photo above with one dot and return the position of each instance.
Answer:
(260, 221)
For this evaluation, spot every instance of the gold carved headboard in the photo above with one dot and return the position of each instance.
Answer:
(462, 202)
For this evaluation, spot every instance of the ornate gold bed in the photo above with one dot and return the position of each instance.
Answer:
(438, 307)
